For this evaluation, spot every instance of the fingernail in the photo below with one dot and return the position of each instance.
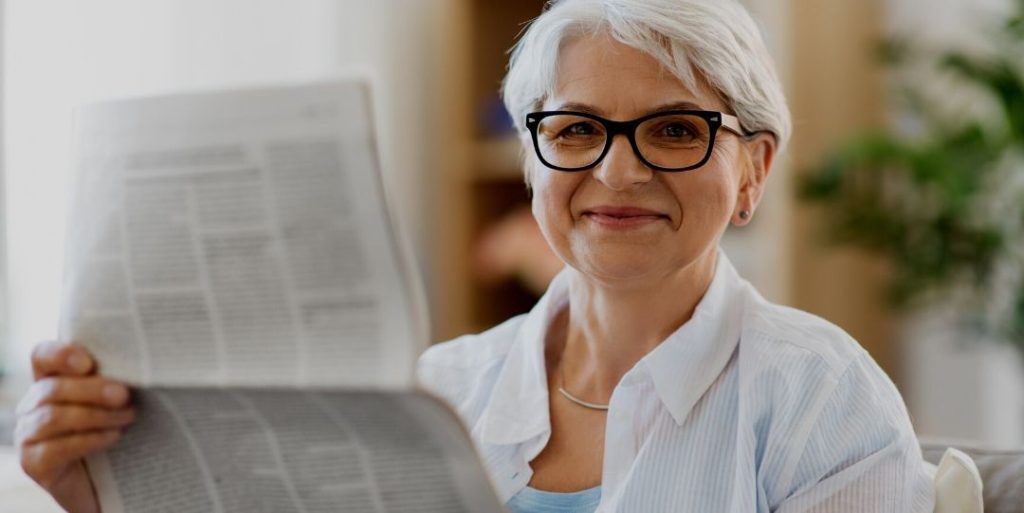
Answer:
(114, 394)
(78, 362)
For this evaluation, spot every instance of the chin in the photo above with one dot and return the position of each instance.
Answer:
(628, 266)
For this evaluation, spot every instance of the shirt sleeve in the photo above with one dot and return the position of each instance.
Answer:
(861, 455)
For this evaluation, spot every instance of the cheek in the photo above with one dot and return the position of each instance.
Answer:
(552, 206)
(707, 199)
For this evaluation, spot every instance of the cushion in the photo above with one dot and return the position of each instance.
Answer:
(1001, 472)
(957, 484)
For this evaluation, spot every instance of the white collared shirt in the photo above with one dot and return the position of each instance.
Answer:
(748, 406)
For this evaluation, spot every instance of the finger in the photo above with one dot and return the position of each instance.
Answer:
(52, 358)
(52, 422)
(41, 460)
(88, 391)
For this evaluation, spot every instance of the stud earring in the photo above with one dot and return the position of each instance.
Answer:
(744, 214)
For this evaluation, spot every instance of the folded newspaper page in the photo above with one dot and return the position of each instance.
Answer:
(237, 238)
(199, 450)
(231, 256)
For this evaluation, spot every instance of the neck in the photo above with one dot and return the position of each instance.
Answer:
(611, 326)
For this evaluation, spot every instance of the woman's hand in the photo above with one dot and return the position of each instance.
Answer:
(68, 414)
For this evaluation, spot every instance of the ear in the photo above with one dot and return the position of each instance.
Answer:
(759, 155)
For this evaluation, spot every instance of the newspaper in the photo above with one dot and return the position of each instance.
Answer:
(230, 255)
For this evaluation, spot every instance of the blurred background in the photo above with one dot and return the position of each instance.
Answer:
(895, 213)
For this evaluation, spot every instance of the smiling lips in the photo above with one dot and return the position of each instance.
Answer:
(622, 217)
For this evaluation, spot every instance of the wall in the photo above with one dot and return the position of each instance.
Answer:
(4, 339)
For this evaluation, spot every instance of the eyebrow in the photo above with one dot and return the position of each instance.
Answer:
(589, 109)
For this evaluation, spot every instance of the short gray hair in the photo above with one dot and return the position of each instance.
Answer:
(718, 38)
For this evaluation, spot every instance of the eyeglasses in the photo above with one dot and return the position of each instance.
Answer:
(676, 140)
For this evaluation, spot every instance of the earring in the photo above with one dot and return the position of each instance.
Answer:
(744, 214)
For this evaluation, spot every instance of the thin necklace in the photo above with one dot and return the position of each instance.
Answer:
(565, 393)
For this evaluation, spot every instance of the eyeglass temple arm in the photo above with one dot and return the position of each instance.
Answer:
(732, 124)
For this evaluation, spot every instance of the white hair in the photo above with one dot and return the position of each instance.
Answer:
(718, 38)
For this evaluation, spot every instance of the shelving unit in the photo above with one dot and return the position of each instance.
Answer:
(486, 183)
(497, 159)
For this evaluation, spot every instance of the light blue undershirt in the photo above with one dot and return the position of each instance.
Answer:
(532, 500)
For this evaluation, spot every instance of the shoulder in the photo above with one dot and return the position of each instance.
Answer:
(797, 358)
(462, 371)
(469, 352)
(822, 401)
(784, 336)
(795, 362)
(804, 362)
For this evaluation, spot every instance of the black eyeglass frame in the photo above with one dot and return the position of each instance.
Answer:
(628, 128)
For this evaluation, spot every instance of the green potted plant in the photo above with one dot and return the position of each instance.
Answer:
(943, 201)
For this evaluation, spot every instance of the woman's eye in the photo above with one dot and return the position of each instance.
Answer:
(578, 129)
(677, 131)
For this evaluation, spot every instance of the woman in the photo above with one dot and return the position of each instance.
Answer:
(650, 377)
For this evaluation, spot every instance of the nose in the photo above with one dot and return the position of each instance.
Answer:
(621, 169)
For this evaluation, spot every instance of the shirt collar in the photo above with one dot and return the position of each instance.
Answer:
(518, 407)
(682, 367)
(685, 365)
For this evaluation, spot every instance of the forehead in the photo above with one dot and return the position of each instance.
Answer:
(619, 81)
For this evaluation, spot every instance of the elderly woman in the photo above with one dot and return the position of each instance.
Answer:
(650, 377)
